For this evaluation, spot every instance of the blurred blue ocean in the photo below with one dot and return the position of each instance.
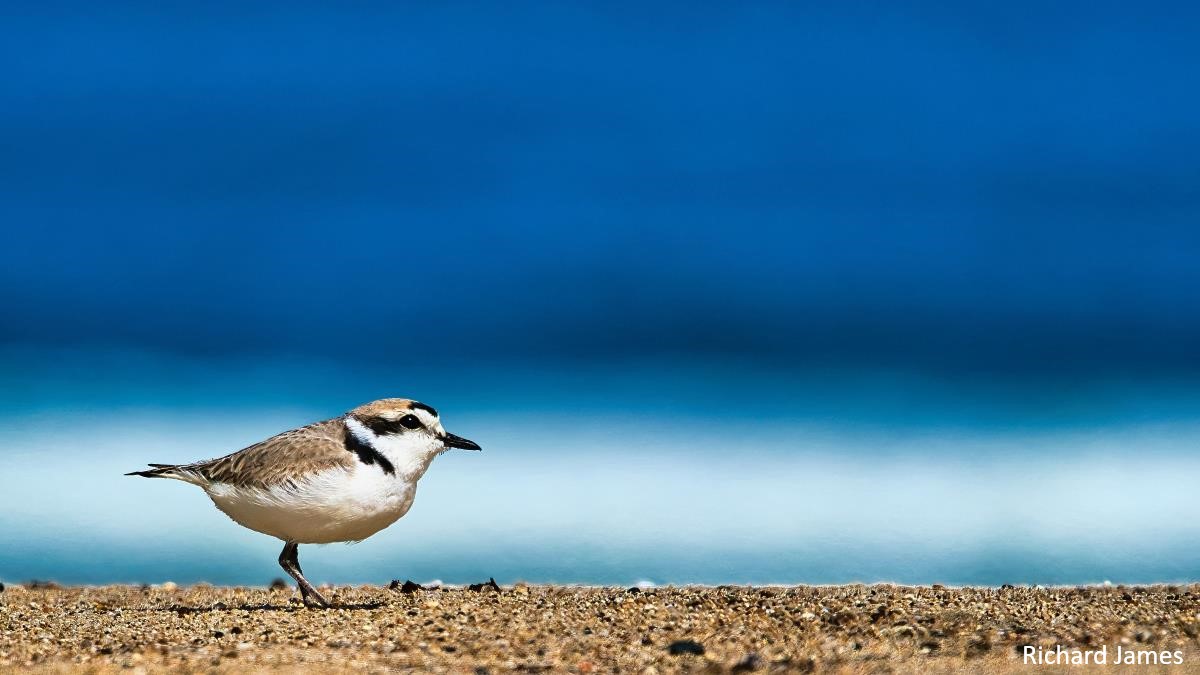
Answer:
(626, 473)
(770, 292)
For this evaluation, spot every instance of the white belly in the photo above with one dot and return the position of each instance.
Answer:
(336, 505)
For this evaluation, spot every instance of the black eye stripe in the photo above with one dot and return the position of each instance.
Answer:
(384, 427)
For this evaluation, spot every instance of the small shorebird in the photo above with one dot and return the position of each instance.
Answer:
(343, 479)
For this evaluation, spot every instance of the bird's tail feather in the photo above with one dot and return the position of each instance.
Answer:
(176, 471)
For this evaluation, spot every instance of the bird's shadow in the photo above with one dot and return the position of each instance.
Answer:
(267, 607)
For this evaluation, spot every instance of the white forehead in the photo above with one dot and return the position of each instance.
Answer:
(428, 419)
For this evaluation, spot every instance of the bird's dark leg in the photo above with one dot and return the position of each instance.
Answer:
(289, 560)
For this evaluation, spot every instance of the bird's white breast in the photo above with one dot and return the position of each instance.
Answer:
(330, 506)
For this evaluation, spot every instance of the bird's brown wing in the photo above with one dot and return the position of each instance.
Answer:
(281, 459)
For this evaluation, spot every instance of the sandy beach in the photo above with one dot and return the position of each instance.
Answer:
(851, 629)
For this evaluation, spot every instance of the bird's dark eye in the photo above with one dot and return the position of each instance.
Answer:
(410, 422)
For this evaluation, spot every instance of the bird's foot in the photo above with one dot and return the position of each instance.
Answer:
(313, 599)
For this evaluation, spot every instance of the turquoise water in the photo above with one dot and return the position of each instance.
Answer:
(621, 473)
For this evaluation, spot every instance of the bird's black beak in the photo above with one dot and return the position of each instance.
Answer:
(453, 441)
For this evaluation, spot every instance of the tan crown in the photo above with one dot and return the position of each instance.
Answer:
(388, 408)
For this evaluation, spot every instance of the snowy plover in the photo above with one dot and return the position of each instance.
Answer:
(343, 479)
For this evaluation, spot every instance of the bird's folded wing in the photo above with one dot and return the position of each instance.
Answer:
(282, 459)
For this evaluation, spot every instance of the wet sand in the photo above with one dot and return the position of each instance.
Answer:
(850, 629)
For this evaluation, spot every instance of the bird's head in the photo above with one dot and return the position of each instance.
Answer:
(403, 429)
